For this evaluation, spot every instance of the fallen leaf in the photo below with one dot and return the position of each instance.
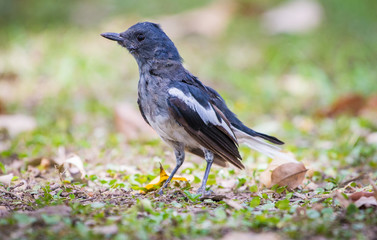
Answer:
(352, 104)
(130, 123)
(363, 199)
(288, 173)
(16, 124)
(349, 104)
(6, 179)
(42, 163)
(73, 167)
(8, 76)
(296, 16)
(2, 107)
(369, 111)
(160, 180)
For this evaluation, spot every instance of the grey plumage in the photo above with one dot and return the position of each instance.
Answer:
(187, 115)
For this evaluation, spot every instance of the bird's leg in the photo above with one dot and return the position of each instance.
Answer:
(179, 152)
(208, 155)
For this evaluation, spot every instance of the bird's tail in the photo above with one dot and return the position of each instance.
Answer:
(256, 143)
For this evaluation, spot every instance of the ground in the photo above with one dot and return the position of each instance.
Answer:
(315, 91)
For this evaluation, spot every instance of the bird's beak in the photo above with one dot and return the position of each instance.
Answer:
(112, 36)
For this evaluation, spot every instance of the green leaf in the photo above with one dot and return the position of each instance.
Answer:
(15, 178)
(255, 201)
(253, 188)
(197, 179)
(351, 209)
(241, 182)
(192, 196)
(112, 182)
(2, 168)
(283, 204)
(289, 195)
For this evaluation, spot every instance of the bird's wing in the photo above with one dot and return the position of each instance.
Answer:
(219, 102)
(192, 109)
(142, 111)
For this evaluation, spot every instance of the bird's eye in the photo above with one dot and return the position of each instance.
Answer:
(140, 37)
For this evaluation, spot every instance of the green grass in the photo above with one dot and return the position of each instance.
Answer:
(70, 79)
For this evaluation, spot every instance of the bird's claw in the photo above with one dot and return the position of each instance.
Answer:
(204, 193)
(160, 192)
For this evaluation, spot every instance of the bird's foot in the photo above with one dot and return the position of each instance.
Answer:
(160, 192)
(204, 192)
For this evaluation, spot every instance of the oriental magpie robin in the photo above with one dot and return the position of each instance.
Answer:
(188, 115)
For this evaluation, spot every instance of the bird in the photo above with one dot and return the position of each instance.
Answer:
(188, 115)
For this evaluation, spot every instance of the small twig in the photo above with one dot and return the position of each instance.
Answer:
(323, 197)
(361, 176)
(16, 186)
(10, 193)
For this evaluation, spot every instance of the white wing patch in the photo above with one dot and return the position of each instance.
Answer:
(207, 115)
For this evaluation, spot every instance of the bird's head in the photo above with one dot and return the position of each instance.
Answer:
(146, 41)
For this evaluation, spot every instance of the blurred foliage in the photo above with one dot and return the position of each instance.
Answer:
(58, 69)
(41, 14)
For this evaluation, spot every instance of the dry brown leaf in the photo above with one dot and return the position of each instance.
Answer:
(160, 180)
(353, 104)
(8, 76)
(2, 107)
(42, 163)
(349, 104)
(73, 167)
(131, 124)
(288, 173)
(372, 103)
(363, 199)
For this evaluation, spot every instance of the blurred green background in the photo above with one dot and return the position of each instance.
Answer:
(56, 67)
(304, 71)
